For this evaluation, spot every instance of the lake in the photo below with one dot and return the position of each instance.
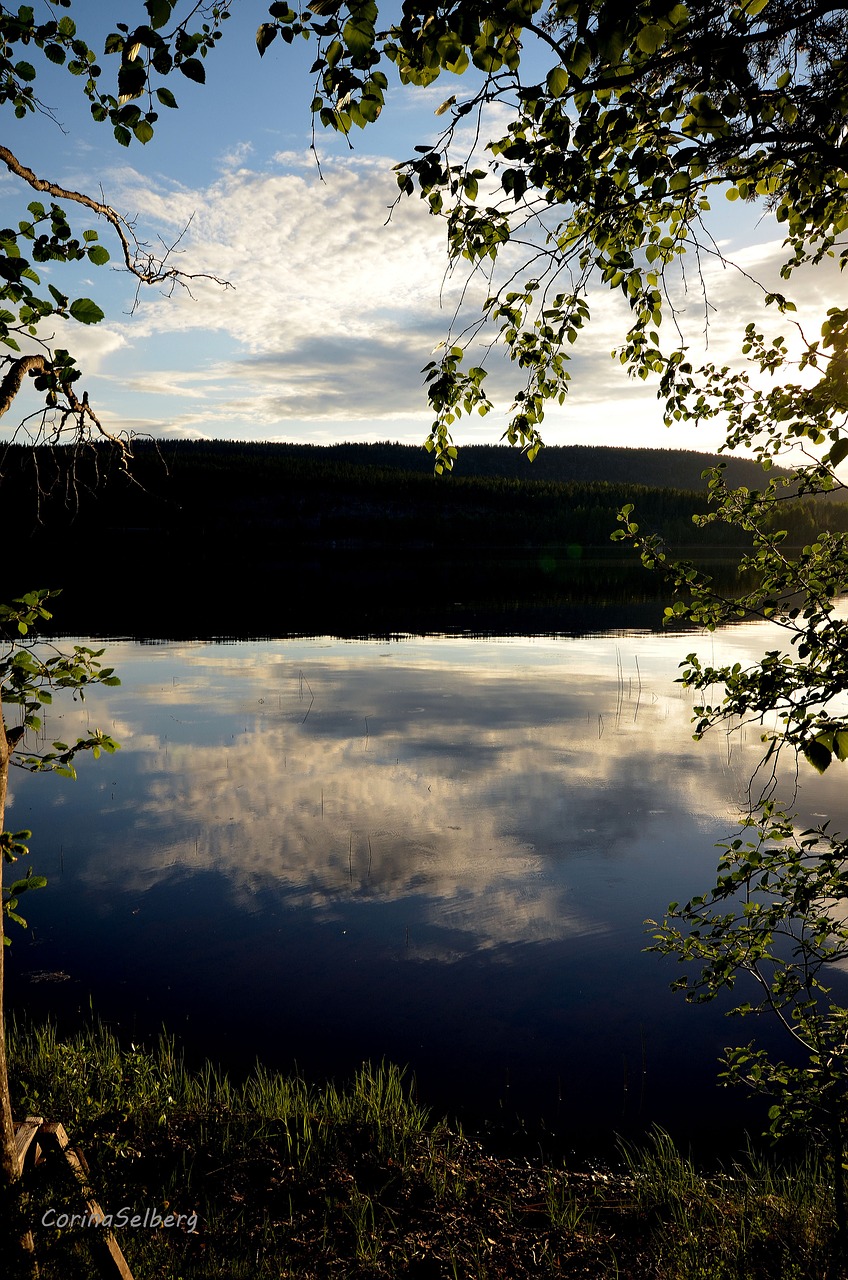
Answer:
(439, 850)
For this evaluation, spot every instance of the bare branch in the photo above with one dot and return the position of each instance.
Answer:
(79, 410)
(140, 263)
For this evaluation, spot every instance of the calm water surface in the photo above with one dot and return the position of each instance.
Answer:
(438, 850)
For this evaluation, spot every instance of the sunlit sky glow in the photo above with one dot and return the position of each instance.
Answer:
(333, 312)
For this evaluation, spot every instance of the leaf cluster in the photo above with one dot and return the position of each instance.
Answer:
(148, 53)
(29, 677)
(47, 236)
(800, 689)
(609, 159)
(126, 91)
(775, 920)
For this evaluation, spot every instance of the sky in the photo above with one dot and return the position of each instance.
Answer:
(333, 308)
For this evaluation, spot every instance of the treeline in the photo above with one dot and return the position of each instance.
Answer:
(223, 539)
(286, 497)
(653, 468)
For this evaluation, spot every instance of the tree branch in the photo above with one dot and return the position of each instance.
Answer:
(149, 272)
(81, 410)
(11, 384)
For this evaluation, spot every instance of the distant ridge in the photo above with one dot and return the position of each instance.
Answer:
(655, 468)
(557, 464)
(300, 535)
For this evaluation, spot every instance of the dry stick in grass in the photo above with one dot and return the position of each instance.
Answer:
(25, 1134)
(113, 1264)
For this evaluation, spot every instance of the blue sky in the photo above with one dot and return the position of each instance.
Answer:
(332, 313)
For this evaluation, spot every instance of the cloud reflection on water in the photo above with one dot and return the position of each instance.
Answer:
(511, 792)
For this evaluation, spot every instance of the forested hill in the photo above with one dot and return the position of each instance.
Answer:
(365, 533)
(367, 495)
(652, 468)
(196, 460)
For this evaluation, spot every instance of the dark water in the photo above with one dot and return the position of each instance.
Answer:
(437, 850)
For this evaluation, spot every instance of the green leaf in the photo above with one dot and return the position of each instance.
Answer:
(99, 255)
(266, 34)
(837, 452)
(85, 311)
(166, 98)
(650, 38)
(358, 36)
(335, 50)
(162, 61)
(144, 132)
(159, 12)
(840, 744)
(557, 81)
(818, 755)
(194, 69)
(579, 60)
(460, 63)
(370, 108)
(132, 79)
(29, 882)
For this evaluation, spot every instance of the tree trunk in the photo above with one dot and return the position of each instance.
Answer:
(9, 1166)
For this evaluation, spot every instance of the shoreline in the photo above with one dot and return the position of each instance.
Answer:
(288, 1179)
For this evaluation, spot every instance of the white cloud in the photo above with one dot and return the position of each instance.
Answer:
(306, 258)
(93, 345)
(333, 313)
(478, 786)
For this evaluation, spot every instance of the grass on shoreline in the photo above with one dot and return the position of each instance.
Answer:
(289, 1180)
